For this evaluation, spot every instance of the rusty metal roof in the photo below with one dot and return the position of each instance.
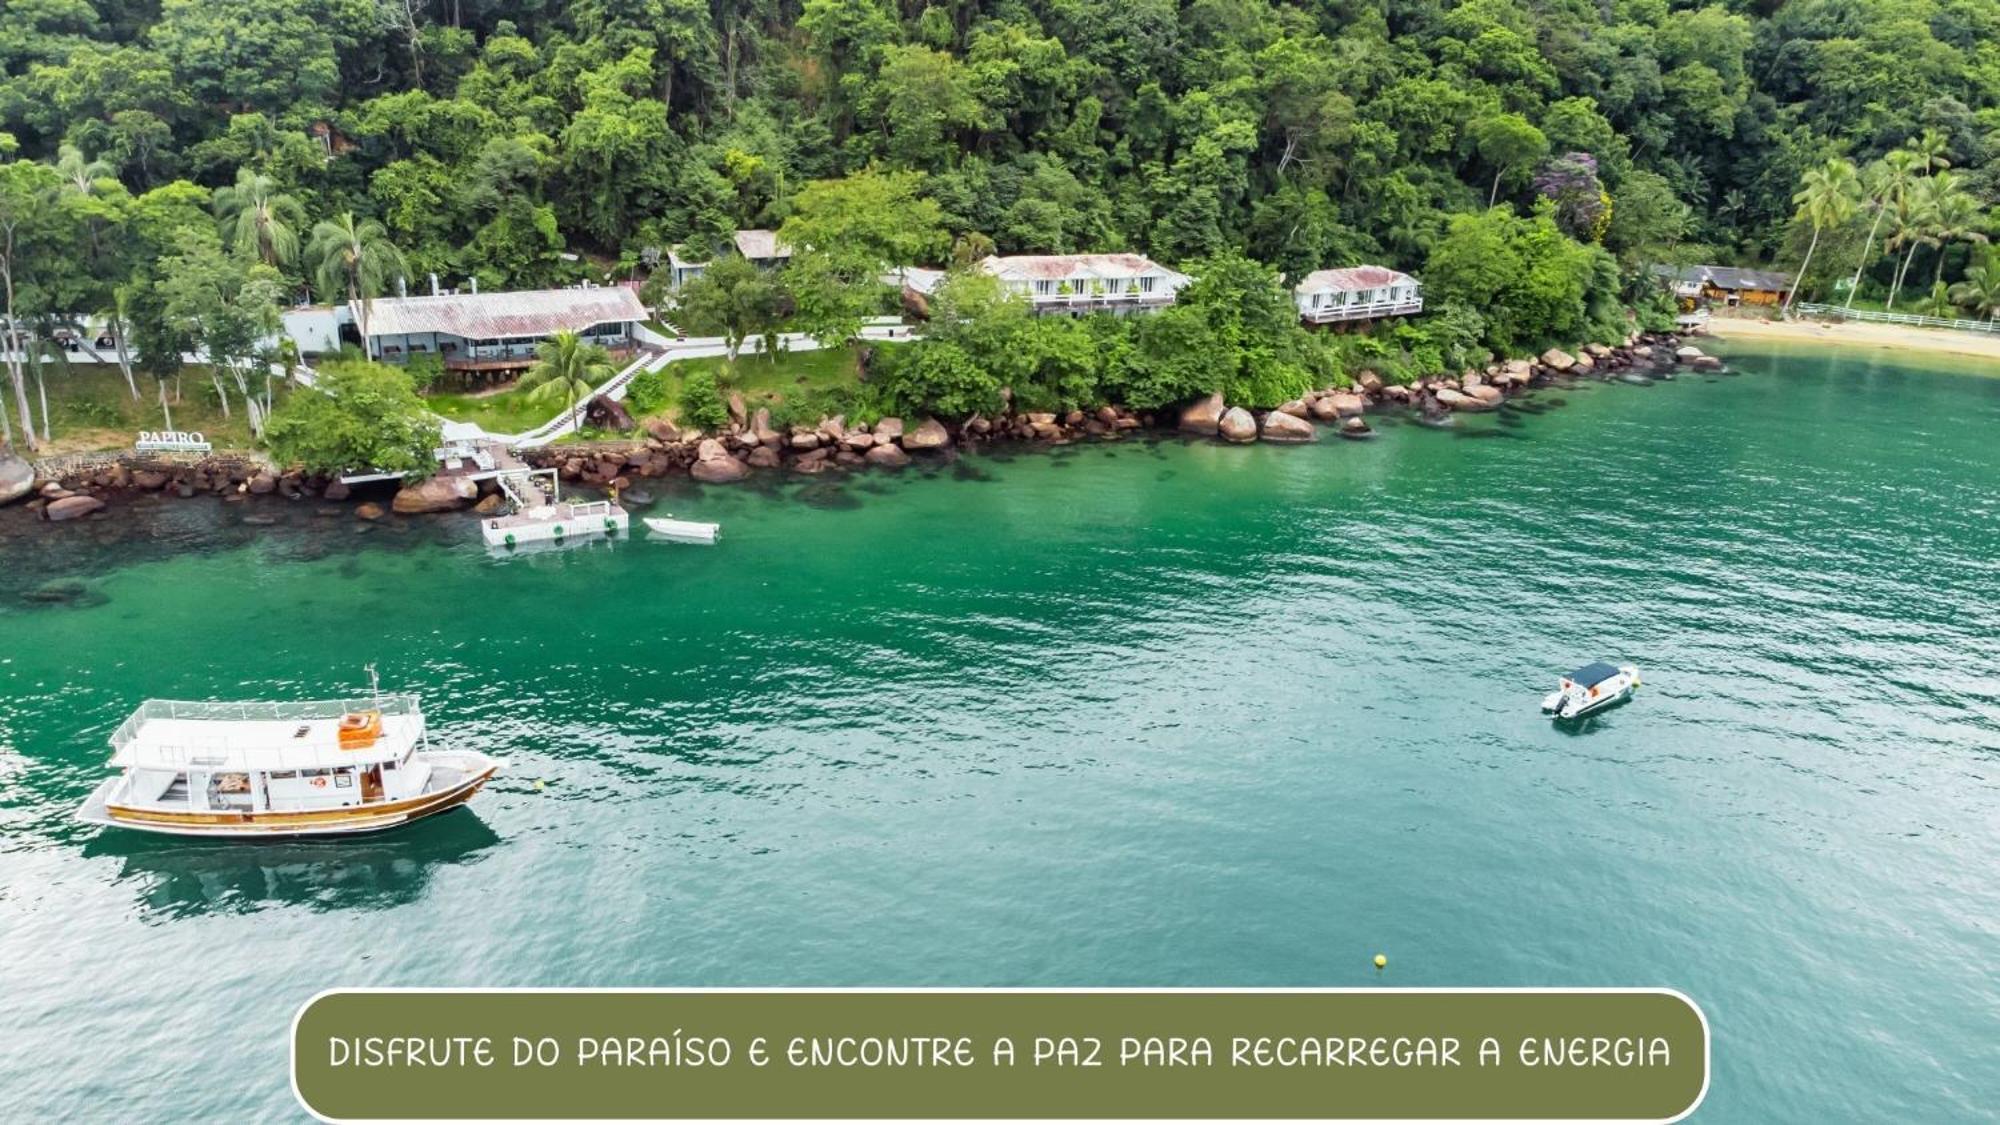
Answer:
(1352, 279)
(494, 316)
(1076, 267)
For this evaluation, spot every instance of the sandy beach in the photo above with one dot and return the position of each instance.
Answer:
(1937, 341)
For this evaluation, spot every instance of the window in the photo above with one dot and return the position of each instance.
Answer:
(1146, 284)
(283, 775)
(343, 780)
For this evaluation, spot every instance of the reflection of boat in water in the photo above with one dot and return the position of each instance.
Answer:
(179, 877)
(261, 770)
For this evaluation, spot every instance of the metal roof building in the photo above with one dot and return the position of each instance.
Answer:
(496, 331)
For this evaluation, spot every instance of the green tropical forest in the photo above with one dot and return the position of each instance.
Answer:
(182, 169)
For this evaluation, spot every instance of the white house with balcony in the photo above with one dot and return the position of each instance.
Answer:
(1356, 293)
(1084, 283)
(497, 332)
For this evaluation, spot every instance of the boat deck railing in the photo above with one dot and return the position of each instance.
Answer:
(223, 712)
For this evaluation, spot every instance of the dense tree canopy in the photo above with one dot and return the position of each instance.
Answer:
(544, 143)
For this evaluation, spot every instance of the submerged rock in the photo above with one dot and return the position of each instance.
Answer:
(887, 455)
(71, 507)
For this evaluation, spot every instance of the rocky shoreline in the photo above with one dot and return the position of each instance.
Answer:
(750, 443)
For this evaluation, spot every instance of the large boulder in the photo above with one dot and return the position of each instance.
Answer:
(438, 494)
(929, 434)
(1237, 425)
(765, 457)
(760, 428)
(1688, 353)
(607, 413)
(1204, 417)
(663, 431)
(1282, 426)
(888, 429)
(719, 470)
(1557, 359)
(17, 478)
(1369, 380)
(71, 507)
(738, 411)
(1325, 408)
(335, 490)
(1297, 408)
(887, 455)
(1458, 400)
(1490, 395)
(1348, 405)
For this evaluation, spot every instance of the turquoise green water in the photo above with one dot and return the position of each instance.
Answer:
(1147, 714)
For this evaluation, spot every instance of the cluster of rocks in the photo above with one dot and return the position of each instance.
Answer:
(1642, 357)
(750, 442)
(85, 492)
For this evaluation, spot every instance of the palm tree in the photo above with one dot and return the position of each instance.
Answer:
(566, 369)
(1980, 291)
(1826, 198)
(356, 258)
(1890, 179)
(257, 220)
(1934, 147)
(1907, 229)
(1955, 217)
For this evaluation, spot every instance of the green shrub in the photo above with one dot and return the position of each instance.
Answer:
(702, 402)
(647, 393)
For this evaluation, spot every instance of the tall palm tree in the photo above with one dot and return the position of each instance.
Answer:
(1955, 217)
(259, 221)
(566, 369)
(1827, 197)
(355, 258)
(1914, 221)
(1889, 179)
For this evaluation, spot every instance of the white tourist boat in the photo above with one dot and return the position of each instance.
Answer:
(263, 770)
(683, 531)
(539, 514)
(1592, 687)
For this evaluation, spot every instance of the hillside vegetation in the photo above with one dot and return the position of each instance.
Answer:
(188, 163)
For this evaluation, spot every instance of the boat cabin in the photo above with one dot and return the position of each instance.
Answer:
(269, 757)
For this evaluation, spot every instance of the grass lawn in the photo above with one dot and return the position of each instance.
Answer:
(766, 382)
(90, 407)
(501, 412)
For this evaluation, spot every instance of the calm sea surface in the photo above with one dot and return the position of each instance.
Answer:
(1138, 714)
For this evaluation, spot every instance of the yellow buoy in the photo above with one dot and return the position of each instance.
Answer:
(1381, 961)
(539, 786)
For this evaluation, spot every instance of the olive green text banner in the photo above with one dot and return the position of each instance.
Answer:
(1639, 1055)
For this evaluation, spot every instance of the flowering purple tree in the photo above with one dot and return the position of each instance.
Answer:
(1583, 207)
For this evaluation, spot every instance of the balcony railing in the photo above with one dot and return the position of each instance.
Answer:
(1371, 310)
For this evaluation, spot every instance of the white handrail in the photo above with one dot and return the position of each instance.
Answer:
(1920, 321)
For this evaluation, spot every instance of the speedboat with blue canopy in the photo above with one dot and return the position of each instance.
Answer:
(1592, 687)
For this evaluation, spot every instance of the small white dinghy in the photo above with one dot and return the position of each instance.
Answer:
(683, 531)
(1592, 687)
